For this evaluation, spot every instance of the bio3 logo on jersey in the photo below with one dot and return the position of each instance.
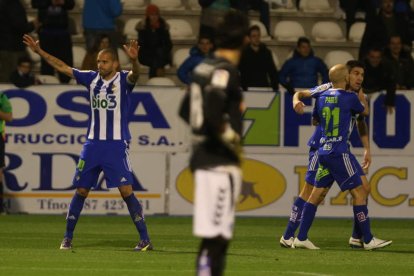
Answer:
(104, 101)
(262, 185)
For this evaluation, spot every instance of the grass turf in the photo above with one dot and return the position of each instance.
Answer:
(103, 246)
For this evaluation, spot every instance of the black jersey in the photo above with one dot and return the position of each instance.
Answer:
(214, 102)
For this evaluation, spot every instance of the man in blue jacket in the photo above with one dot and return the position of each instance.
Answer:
(99, 18)
(301, 70)
(197, 54)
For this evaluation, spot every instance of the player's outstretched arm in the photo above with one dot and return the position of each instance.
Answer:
(298, 105)
(132, 51)
(53, 61)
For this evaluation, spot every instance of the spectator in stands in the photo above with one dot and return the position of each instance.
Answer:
(13, 24)
(23, 76)
(350, 7)
(99, 18)
(203, 49)
(378, 77)
(401, 62)
(257, 68)
(54, 33)
(402, 8)
(261, 6)
(381, 27)
(212, 13)
(89, 61)
(155, 42)
(303, 69)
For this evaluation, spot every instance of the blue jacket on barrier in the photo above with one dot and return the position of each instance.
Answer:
(302, 72)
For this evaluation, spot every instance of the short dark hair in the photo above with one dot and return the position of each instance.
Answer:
(375, 49)
(254, 28)
(232, 31)
(205, 36)
(303, 39)
(351, 64)
(24, 59)
(97, 41)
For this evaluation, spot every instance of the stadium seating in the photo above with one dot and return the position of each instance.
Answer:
(79, 3)
(48, 79)
(357, 31)
(287, 25)
(287, 30)
(74, 28)
(180, 55)
(180, 29)
(78, 56)
(34, 57)
(281, 5)
(31, 18)
(264, 35)
(123, 59)
(193, 5)
(327, 31)
(160, 81)
(336, 57)
(133, 4)
(276, 60)
(315, 6)
(129, 28)
(168, 4)
(27, 4)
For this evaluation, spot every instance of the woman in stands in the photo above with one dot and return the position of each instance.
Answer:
(155, 42)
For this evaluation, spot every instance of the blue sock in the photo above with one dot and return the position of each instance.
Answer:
(295, 217)
(308, 214)
(135, 211)
(361, 214)
(74, 211)
(356, 231)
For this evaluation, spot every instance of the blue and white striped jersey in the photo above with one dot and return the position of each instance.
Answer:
(110, 102)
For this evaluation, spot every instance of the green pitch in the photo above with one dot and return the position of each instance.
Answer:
(103, 246)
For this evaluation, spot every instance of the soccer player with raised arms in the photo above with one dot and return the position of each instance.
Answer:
(335, 109)
(108, 136)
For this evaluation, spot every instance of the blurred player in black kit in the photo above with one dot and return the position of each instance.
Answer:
(213, 108)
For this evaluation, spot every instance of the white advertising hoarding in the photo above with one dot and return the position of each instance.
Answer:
(55, 117)
(272, 181)
(50, 123)
(41, 183)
